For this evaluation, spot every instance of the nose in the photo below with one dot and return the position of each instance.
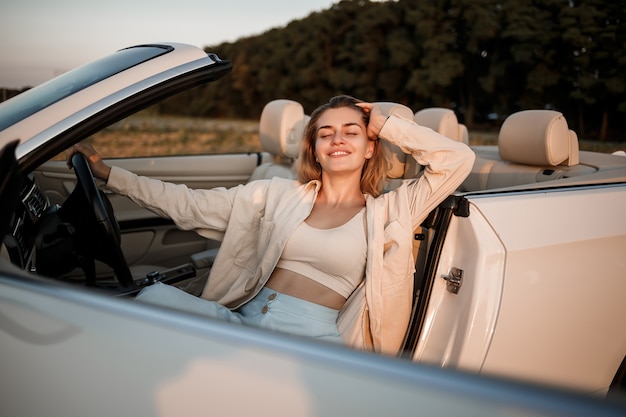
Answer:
(337, 138)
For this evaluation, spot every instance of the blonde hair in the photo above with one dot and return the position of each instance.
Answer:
(374, 170)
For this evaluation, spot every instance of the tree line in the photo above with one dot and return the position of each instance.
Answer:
(483, 58)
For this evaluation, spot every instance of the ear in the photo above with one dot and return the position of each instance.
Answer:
(370, 149)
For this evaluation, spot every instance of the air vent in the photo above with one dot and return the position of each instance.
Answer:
(35, 202)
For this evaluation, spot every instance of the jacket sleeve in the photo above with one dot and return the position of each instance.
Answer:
(446, 163)
(190, 209)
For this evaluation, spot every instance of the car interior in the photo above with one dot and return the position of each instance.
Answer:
(153, 248)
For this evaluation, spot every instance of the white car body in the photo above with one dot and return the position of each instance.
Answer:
(533, 305)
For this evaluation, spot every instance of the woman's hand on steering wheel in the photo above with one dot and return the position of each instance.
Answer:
(105, 242)
(99, 169)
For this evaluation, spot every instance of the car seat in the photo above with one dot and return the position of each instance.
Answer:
(533, 146)
(443, 121)
(281, 130)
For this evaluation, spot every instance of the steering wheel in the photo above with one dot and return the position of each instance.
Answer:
(105, 240)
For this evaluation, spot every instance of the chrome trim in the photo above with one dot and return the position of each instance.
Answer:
(554, 187)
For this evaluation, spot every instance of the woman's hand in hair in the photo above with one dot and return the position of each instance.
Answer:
(377, 119)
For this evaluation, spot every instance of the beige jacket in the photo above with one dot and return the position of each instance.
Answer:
(257, 219)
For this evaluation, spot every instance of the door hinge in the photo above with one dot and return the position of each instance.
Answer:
(455, 280)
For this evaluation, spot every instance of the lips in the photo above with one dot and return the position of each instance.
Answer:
(339, 153)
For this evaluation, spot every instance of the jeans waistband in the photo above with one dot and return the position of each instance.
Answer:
(298, 305)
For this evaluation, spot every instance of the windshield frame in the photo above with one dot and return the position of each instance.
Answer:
(35, 99)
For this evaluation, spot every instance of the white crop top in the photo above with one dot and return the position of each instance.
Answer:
(333, 257)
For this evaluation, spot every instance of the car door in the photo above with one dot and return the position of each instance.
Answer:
(527, 284)
(147, 239)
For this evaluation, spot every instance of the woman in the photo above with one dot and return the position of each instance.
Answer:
(326, 256)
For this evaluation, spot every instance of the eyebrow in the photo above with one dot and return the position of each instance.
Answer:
(343, 125)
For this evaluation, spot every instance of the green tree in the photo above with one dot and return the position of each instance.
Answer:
(532, 33)
(595, 39)
(456, 38)
(479, 55)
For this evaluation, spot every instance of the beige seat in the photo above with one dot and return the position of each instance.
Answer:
(443, 121)
(281, 130)
(533, 146)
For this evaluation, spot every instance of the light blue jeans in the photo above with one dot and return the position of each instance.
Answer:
(269, 310)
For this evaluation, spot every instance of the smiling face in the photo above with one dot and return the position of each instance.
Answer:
(337, 149)
(341, 144)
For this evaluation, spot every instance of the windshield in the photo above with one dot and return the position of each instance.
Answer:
(35, 99)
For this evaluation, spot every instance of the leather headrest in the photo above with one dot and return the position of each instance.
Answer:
(463, 134)
(397, 158)
(441, 120)
(536, 137)
(574, 150)
(281, 128)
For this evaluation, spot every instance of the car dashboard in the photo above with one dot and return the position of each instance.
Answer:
(21, 239)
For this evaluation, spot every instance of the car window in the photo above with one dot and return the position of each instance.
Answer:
(152, 133)
(149, 133)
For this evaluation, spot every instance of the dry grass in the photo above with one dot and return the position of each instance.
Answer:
(142, 135)
(150, 136)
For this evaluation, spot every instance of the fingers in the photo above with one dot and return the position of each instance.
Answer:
(70, 153)
(78, 148)
(98, 167)
(377, 119)
(85, 149)
(367, 107)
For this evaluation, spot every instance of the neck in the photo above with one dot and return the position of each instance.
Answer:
(338, 191)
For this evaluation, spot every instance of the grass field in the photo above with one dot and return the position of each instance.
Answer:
(141, 135)
(148, 136)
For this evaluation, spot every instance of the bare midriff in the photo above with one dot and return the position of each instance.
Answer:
(296, 285)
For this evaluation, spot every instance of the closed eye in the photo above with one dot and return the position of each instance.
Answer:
(324, 133)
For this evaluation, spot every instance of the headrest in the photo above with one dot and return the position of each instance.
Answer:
(574, 148)
(281, 128)
(536, 137)
(463, 134)
(442, 121)
(397, 158)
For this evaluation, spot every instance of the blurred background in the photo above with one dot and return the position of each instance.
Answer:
(484, 59)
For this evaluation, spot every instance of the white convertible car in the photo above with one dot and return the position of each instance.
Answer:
(520, 282)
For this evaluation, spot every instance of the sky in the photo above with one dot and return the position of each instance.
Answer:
(40, 39)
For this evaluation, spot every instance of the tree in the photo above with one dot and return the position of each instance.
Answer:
(476, 56)
(594, 37)
(456, 37)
